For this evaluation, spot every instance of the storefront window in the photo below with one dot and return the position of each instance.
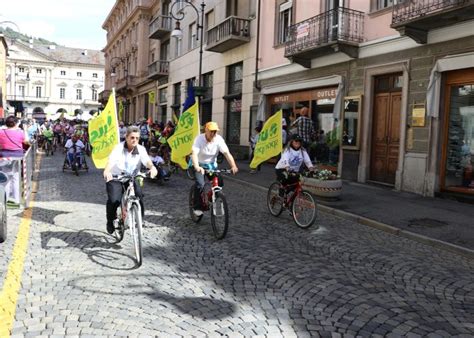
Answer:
(233, 121)
(460, 146)
(350, 122)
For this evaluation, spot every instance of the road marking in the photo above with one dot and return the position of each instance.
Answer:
(12, 283)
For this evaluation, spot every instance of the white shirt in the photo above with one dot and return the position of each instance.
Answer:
(69, 146)
(123, 161)
(207, 151)
(294, 159)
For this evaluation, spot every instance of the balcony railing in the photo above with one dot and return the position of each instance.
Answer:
(158, 69)
(160, 26)
(414, 18)
(308, 39)
(230, 33)
(27, 98)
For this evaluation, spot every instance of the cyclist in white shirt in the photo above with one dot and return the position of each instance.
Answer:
(291, 160)
(206, 147)
(127, 157)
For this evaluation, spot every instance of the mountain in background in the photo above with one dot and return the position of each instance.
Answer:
(14, 35)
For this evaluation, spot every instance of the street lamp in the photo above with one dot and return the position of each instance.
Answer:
(178, 15)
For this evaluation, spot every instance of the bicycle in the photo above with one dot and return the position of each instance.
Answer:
(213, 199)
(48, 146)
(129, 214)
(295, 199)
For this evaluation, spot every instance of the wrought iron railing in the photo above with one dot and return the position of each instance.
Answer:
(407, 10)
(341, 24)
(232, 26)
(161, 22)
(159, 67)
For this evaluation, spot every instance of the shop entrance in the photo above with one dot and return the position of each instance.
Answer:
(458, 146)
(386, 128)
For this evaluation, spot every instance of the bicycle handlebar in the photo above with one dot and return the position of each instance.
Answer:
(126, 177)
(218, 171)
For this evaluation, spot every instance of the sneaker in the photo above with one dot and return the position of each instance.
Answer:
(110, 227)
(197, 212)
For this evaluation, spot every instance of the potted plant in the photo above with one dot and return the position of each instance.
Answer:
(324, 183)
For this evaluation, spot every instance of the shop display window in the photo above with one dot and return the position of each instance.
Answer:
(460, 139)
(351, 122)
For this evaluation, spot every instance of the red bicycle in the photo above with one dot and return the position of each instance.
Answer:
(295, 199)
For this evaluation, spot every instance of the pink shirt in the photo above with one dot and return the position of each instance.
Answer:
(11, 139)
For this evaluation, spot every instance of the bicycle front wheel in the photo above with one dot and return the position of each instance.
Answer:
(219, 216)
(304, 209)
(274, 200)
(136, 231)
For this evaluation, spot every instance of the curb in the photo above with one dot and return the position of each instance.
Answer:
(435, 243)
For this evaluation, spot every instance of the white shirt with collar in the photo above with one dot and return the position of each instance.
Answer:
(207, 151)
(123, 161)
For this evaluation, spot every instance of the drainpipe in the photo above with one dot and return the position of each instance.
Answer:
(257, 86)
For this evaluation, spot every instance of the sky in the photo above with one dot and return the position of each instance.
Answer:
(72, 23)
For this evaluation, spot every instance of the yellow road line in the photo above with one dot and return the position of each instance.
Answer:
(12, 283)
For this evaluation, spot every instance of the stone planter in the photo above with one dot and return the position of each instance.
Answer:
(326, 189)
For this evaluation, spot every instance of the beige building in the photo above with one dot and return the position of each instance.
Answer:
(3, 77)
(148, 61)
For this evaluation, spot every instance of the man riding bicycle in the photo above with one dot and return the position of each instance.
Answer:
(206, 147)
(291, 160)
(127, 157)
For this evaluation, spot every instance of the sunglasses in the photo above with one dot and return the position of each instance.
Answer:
(134, 137)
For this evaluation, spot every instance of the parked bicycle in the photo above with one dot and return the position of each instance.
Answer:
(129, 214)
(295, 199)
(213, 199)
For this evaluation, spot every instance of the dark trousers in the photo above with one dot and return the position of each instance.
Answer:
(286, 181)
(115, 190)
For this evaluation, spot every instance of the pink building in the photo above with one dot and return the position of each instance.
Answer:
(383, 85)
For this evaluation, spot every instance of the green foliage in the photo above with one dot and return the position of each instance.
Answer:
(14, 35)
(332, 138)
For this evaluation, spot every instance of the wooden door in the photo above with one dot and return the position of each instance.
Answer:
(385, 137)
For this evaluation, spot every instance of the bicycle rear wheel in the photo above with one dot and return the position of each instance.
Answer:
(219, 216)
(274, 200)
(304, 209)
(194, 218)
(136, 231)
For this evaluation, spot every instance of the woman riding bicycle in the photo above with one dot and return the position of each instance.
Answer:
(127, 157)
(206, 147)
(291, 160)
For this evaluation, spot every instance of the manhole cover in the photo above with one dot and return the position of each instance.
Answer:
(426, 222)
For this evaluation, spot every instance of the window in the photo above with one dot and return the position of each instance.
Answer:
(163, 93)
(284, 21)
(39, 71)
(38, 91)
(62, 93)
(206, 101)
(63, 72)
(192, 36)
(21, 90)
(94, 94)
(79, 74)
(21, 69)
(381, 4)
(94, 75)
(164, 50)
(177, 98)
(78, 94)
(178, 47)
(234, 103)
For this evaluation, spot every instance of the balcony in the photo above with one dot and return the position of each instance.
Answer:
(230, 33)
(340, 29)
(416, 17)
(104, 96)
(126, 84)
(27, 99)
(158, 69)
(160, 26)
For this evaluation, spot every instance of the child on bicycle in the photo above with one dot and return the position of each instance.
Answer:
(158, 162)
(291, 160)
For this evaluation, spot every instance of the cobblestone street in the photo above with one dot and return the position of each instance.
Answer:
(266, 278)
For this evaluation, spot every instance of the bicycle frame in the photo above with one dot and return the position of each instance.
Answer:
(297, 191)
(128, 199)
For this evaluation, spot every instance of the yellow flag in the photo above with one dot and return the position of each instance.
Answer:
(181, 142)
(151, 97)
(103, 131)
(269, 141)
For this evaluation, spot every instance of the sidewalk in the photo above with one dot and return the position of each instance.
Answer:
(435, 221)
